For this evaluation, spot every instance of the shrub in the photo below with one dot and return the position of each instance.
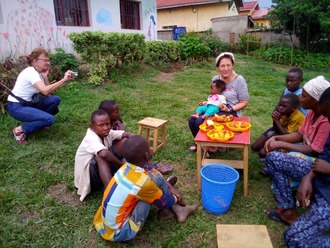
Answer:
(248, 43)
(162, 53)
(8, 74)
(214, 43)
(110, 49)
(192, 48)
(283, 54)
(61, 62)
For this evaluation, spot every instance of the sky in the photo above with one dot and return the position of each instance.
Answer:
(263, 3)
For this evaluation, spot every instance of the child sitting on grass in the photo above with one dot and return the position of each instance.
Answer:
(112, 109)
(214, 101)
(286, 119)
(128, 197)
(293, 80)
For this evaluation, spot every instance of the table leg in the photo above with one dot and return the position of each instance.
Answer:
(199, 164)
(246, 168)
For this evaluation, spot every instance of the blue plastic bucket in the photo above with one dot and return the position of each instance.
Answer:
(218, 186)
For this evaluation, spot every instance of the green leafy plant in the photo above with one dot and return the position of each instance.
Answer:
(248, 43)
(162, 53)
(61, 62)
(107, 51)
(192, 48)
(214, 43)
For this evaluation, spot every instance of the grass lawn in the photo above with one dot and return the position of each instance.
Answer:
(38, 202)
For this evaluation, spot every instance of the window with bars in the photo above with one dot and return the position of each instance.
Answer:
(130, 14)
(71, 12)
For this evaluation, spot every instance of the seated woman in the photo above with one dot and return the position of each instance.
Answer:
(310, 229)
(236, 92)
(30, 81)
(312, 133)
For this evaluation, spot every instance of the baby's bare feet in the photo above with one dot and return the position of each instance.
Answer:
(196, 115)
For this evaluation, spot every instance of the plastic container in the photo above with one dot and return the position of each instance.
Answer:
(218, 186)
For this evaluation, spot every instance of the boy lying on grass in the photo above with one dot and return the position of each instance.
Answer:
(128, 197)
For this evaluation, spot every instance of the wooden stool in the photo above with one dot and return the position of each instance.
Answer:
(153, 124)
(232, 236)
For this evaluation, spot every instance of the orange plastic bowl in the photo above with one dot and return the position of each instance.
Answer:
(238, 126)
(222, 135)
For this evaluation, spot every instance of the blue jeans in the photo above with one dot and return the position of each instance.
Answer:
(35, 118)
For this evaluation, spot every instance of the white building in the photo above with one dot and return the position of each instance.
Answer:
(26, 24)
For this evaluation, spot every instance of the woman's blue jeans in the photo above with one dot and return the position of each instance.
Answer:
(35, 118)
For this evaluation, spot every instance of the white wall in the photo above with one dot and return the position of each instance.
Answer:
(26, 24)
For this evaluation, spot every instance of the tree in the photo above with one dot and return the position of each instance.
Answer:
(308, 19)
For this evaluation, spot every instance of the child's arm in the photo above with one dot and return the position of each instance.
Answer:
(127, 135)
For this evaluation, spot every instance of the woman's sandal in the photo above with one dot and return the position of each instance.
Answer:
(264, 173)
(275, 214)
(193, 148)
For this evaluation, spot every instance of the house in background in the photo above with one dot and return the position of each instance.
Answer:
(194, 15)
(259, 16)
(26, 24)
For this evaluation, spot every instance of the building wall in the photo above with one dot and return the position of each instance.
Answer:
(26, 24)
(195, 18)
(262, 22)
(229, 28)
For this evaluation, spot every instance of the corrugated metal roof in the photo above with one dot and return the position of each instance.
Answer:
(249, 6)
(259, 14)
(162, 4)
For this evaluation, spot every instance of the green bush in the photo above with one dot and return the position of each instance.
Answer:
(248, 43)
(61, 62)
(192, 48)
(283, 54)
(9, 71)
(215, 44)
(109, 49)
(162, 53)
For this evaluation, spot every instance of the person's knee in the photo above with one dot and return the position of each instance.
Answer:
(56, 100)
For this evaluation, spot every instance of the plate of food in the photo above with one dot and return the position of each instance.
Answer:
(222, 135)
(223, 118)
(238, 126)
(210, 125)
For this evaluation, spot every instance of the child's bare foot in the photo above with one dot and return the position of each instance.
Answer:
(204, 117)
(182, 213)
(165, 214)
(196, 115)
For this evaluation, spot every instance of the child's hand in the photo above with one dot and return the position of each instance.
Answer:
(201, 103)
(276, 116)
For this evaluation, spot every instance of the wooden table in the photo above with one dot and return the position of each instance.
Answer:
(241, 140)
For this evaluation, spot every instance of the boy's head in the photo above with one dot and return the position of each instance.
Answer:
(100, 123)
(288, 104)
(112, 108)
(293, 79)
(136, 150)
(324, 103)
(218, 86)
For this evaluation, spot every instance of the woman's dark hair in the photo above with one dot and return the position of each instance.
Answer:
(35, 54)
(325, 97)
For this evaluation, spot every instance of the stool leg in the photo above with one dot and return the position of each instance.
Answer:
(155, 143)
(140, 130)
(147, 134)
(164, 135)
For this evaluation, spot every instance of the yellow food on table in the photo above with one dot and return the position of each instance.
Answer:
(222, 135)
(223, 118)
(238, 126)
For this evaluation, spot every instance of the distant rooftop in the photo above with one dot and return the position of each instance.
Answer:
(249, 6)
(163, 4)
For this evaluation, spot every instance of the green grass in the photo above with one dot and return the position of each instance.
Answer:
(38, 202)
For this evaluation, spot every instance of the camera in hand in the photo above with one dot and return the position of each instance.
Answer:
(74, 74)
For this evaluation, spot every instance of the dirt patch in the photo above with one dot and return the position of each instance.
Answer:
(164, 77)
(60, 193)
(29, 216)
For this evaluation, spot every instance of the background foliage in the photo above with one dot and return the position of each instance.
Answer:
(308, 19)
